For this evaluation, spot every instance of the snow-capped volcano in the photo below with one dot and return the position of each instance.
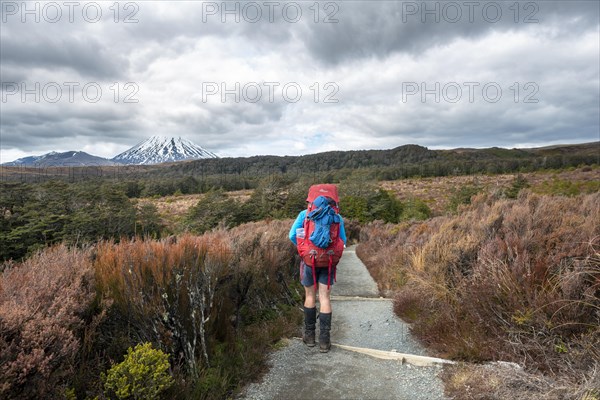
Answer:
(161, 149)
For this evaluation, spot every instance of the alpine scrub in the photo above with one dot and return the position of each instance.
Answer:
(213, 304)
(143, 374)
(505, 279)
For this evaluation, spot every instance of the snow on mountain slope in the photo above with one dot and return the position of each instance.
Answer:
(160, 149)
(65, 159)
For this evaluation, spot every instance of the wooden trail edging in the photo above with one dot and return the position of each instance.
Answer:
(358, 298)
(421, 361)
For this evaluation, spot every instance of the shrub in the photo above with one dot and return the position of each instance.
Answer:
(238, 284)
(518, 183)
(213, 209)
(415, 209)
(363, 201)
(143, 374)
(516, 280)
(270, 199)
(462, 196)
(385, 206)
(155, 284)
(42, 307)
(148, 221)
(355, 208)
(214, 303)
(564, 187)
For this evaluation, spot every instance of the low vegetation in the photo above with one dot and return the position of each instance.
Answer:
(487, 267)
(143, 374)
(44, 309)
(35, 216)
(504, 279)
(213, 303)
(508, 381)
(442, 193)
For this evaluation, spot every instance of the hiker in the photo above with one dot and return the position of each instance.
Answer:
(319, 235)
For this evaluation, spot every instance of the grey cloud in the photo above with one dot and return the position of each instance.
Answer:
(193, 23)
(245, 112)
(379, 28)
(11, 74)
(26, 129)
(226, 125)
(87, 57)
(364, 28)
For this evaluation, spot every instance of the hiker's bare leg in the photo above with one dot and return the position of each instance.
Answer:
(310, 297)
(324, 298)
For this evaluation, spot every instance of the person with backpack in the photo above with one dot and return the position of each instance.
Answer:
(318, 233)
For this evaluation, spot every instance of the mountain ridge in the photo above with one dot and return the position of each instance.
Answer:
(61, 159)
(154, 150)
(405, 160)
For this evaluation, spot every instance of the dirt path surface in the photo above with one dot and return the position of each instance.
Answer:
(360, 319)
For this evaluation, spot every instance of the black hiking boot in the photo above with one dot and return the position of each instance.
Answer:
(310, 321)
(324, 339)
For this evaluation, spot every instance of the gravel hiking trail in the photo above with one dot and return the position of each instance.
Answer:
(362, 323)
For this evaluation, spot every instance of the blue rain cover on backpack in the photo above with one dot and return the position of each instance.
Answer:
(323, 216)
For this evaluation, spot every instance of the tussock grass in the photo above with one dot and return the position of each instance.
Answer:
(437, 191)
(513, 280)
(499, 382)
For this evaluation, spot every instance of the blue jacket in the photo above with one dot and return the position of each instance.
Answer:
(299, 223)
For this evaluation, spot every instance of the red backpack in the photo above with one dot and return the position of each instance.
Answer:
(312, 255)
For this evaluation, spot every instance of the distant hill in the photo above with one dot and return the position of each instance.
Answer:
(66, 159)
(162, 149)
(401, 162)
(155, 150)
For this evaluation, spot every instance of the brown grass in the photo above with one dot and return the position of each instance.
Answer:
(514, 280)
(436, 191)
(173, 209)
(498, 381)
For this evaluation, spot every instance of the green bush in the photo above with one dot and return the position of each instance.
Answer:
(363, 201)
(518, 183)
(354, 208)
(385, 206)
(562, 187)
(213, 209)
(415, 209)
(148, 221)
(462, 196)
(269, 200)
(144, 374)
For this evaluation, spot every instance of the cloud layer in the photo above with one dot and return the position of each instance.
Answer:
(287, 78)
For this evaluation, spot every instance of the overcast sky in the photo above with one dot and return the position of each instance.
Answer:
(290, 78)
